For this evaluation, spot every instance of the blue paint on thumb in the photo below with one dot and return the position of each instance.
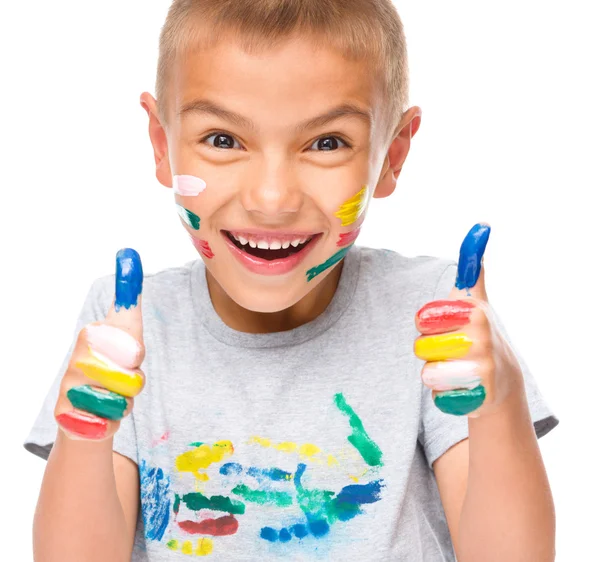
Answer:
(128, 279)
(471, 252)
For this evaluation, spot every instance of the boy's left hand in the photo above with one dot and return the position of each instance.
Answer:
(470, 367)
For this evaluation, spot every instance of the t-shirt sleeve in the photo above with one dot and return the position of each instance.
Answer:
(43, 432)
(439, 431)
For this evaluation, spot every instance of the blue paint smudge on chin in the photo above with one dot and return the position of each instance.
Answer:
(128, 279)
(471, 252)
(154, 497)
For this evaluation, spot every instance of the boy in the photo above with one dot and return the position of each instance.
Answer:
(282, 413)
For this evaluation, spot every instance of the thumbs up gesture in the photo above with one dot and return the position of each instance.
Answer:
(470, 367)
(103, 376)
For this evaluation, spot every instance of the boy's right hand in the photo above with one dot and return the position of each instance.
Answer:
(103, 375)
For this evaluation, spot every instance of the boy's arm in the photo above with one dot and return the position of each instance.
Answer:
(493, 485)
(88, 504)
(495, 490)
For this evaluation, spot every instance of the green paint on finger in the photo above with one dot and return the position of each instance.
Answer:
(314, 271)
(102, 403)
(460, 402)
(368, 449)
(188, 217)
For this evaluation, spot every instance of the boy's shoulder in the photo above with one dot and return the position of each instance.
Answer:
(390, 269)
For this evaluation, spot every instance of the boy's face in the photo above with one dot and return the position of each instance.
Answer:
(280, 153)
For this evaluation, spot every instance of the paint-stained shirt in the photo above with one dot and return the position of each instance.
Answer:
(315, 443)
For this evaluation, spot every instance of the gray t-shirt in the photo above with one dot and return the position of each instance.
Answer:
(310, 444)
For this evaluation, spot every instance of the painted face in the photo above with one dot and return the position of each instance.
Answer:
(274, 158)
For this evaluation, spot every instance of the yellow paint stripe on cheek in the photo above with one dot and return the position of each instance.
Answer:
(443, 346)
(353, 208)
(110, 376)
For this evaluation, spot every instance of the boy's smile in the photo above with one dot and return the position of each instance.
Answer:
(287, 146)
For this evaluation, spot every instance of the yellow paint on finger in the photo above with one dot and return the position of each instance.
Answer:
(187, 548)
(353, 208)
(443, 346)
(110, 375)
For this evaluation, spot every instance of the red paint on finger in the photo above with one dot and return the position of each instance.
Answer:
(438, 317)
(83, 425)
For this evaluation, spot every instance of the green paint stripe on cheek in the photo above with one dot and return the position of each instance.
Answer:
(460, 402)
(188, 217)
(314, 271)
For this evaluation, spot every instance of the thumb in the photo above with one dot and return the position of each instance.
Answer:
(470, 274)
(126, 310)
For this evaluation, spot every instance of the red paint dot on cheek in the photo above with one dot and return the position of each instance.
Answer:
(83, 425)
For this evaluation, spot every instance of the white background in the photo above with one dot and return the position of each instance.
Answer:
(509, 135)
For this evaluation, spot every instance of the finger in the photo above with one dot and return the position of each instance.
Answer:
(468, 275)
(126, 311)
(443, 346)
(116, 346)
(98, 401)
(451, 375)
(441, 316)
(460, 402)
(83, 425)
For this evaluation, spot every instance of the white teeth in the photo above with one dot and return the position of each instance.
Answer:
(236, 237)
(275, 245)
(296, 242)
(286, 245)
(303, 240)
(242, 241)
(263, 245)
(252, 243)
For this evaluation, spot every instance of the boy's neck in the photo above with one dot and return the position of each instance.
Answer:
(305, 310)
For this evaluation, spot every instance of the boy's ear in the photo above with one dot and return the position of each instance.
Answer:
(158, 138)
(397, 152)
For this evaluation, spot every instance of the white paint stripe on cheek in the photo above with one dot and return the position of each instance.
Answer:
(448, 375)
(189, 186)
(115, 344)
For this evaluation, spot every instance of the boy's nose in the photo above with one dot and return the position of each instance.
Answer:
(272, 189)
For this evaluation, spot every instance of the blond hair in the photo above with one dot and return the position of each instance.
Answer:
(360, 29)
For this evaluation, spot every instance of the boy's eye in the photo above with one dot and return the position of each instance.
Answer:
(221, 140)
(328, 143)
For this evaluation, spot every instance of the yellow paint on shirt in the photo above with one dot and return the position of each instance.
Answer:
(205, 546)
(202, 457)
(309, 450)
(443, 346)
(260, 441)
(353, 208)
(286, 447)
(110, 375)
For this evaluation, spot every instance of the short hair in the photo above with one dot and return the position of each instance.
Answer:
(368, 30)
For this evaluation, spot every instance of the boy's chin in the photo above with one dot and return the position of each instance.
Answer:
(267, 299)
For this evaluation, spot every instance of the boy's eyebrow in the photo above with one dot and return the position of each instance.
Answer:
(343, 110)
